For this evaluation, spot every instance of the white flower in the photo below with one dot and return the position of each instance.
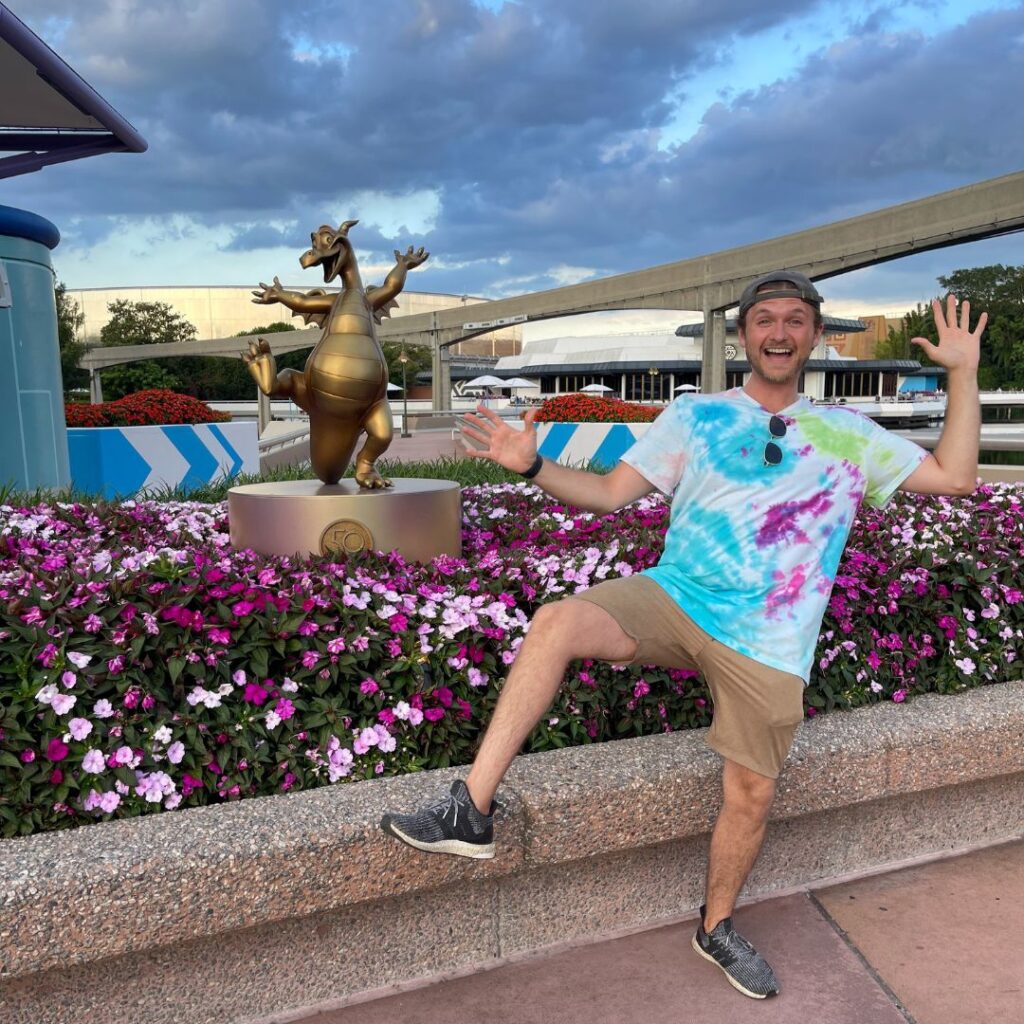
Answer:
(46, 694)
(93, 762)
(162, 735)
(78, 660)
(103, 709)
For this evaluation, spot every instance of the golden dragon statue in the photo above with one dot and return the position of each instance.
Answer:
(343, 387)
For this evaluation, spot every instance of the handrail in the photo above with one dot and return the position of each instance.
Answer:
(267, 444)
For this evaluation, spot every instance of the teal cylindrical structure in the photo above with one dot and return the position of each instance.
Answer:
(34, 452)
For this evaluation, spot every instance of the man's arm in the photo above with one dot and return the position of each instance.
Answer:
(953, 468)
(517, 449)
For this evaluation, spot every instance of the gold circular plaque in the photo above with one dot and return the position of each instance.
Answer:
(347, 536)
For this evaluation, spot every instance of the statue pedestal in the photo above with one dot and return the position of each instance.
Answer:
(420, 519)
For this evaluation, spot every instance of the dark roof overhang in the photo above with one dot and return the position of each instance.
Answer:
(48, 113)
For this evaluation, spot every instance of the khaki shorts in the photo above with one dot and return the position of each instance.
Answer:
(757, 708)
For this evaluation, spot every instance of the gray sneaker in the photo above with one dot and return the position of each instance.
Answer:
(745, 968)
(452, 825)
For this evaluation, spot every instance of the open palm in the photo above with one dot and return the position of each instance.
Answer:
(959, 347)
(488, 436)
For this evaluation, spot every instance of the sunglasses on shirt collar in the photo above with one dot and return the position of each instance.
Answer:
(772, 452)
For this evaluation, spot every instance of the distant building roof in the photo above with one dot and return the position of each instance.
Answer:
(833, 325)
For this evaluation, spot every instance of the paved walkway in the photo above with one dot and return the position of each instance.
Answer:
(942, 943)
(425, 445)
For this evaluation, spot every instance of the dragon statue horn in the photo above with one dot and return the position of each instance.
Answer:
(343, 230)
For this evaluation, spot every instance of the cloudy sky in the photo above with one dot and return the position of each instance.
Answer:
(526, 144)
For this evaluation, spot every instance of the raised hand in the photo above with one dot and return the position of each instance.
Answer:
(268, 294)
(261, 364)
(959, 346)
(411, 258)
(487, 436)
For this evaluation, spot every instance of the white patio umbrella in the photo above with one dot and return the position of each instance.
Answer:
(486, 381)
(687, 387)
(596, 388)
(520, 382)
(393, 387)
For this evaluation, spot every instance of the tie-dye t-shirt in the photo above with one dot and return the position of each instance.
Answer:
(752, 549)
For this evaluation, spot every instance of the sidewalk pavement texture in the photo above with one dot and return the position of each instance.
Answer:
(424, 445)
(936, 943)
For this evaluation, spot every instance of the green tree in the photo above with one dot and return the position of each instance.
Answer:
(918, 323)
(419, 359)
(70, 319)
(998, 290)
(142, 323)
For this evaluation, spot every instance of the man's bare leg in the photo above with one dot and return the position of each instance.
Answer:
(559, 633)
(736, 839)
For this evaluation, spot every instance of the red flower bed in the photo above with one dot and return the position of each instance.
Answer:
(156, 407)
(584, 409)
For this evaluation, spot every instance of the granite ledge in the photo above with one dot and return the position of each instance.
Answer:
(120, 887)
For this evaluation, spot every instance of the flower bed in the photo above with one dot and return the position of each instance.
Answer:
(155, 407)
(149, 666)
(584, 409)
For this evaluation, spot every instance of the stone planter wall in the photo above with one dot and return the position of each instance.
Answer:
(270, 907)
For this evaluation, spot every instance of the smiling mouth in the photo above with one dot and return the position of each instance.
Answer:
(778, 353)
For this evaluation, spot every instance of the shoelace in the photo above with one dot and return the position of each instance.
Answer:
(736, 943)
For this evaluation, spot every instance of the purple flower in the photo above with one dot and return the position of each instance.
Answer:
(93, 762)
(284, 708)
(369, 687)
(175, 752)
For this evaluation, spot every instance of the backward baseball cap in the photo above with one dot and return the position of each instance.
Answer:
(798, 285)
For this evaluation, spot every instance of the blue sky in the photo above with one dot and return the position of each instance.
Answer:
(526, 145)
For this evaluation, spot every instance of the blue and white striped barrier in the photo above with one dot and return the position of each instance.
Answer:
(596, 444)
(119, 462)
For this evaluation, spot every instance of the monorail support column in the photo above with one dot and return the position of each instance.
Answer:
(712, 377)
(441, 388)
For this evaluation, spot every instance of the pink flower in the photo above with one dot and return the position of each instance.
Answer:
(47, 656)
(115, 666)
(433, 714)
(28, 756)
(899, 696)
(444, 696)
(284, 708)
(254, 694)
(642, 688)
(56, 750)
(79, 728)
(369, 687)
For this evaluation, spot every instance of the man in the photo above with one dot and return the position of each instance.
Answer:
(764, 489)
